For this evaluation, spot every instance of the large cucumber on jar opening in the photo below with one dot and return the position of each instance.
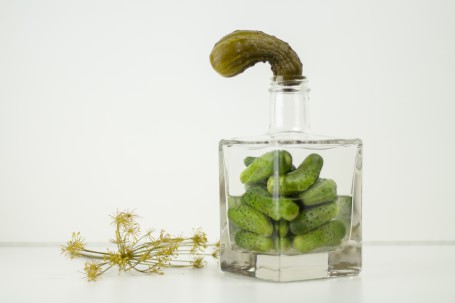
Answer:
(264, 166)
(299, 180)
(276, 208)
(241, 49)
(252, 241)
(323, 190)
(249, 219)
(313, 217)
(326, 235)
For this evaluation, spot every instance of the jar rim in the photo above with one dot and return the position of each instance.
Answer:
(289, 78)
(289, 83)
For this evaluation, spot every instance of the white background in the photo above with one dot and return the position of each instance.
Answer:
(109, 105)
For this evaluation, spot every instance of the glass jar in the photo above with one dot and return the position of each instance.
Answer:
(290, 200)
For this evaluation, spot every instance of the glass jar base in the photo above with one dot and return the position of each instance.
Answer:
(287, 268)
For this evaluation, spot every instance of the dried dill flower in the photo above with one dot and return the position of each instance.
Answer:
(147, 253)
(93, 270)
(74, 247)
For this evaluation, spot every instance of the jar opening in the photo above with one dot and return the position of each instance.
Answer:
(288, 78)
(289, 84)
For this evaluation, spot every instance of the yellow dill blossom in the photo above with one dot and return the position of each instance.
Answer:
(133, 232)
(120, 259)
(199, 240)
(198, 262)
(74, 247)
(125, 219)
(216, 250)
(92, 270)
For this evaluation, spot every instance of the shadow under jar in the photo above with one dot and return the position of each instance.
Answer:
(290, 200)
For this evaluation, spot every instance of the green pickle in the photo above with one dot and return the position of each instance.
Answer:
(249, 219)
(299, 180)
(252, 241)
(276, 208)
(282, 227)
(324, 190)
(283, 244)
(234, 201)
(264, 166)
(313, 217)
(248, 160)
(329, 234)
(241, 49)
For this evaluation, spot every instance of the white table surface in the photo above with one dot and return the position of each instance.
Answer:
(391, 273)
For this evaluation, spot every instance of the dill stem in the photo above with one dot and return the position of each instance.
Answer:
(146, 248)
(195, 254)
(91, 256)
(183, 261)
(149, 252)
(178, 266)
(94, 251)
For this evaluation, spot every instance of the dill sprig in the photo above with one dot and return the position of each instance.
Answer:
(149, 253)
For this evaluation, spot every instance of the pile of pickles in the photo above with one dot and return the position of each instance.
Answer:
(287, 208)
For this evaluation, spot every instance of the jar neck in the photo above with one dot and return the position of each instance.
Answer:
(289, 106)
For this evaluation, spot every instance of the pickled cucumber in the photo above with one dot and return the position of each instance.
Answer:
(323, 190)
(252, 241)
(250, 219)
(282, 227)
(264, 166)
(276, 208)
(248, 160)
(328, 234)
(234, 201)
(300, 179)
(241, 49)
(313, 217)
(282, 243)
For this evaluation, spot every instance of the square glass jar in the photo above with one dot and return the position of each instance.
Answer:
(290, 201)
